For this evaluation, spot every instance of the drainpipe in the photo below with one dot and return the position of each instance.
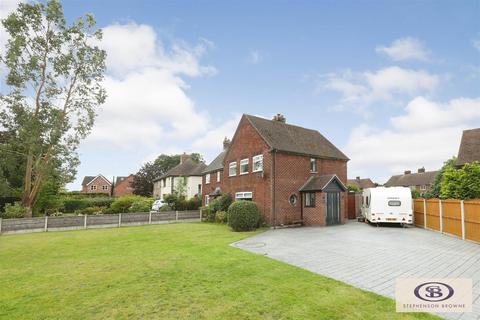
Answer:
(274, 152)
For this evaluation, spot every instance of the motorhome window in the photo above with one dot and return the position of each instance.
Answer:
(368, 201)
(394, 203)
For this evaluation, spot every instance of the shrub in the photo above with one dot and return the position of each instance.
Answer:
(92, 210)
(141, 205)
(222, 203)
(15, 210)
(194, 203)
(123, 204)
(220, 217)
(208, 215)
(72, 205)
(165, 208)
(76, 204)
(243, 215)
(175, 201)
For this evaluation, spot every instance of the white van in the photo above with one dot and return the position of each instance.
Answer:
(387, 205)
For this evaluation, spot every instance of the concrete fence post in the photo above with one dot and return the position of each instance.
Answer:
(462, 211)
(0, 225)
(150, 217)
(176, 216)
(46, 223)
(424, 213)
(201, 213)
(85, 222)
(441, 214)
(119, 220)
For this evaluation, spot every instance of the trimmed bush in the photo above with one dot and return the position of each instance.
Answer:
(15, 210)
(123, 204)
(243, 215)
(221, 217)
(77, 204)
(92, 210)
(221, 203)
(142, 205)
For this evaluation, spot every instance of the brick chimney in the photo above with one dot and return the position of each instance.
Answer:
(184, 157)
(226, 143)
(407, 172)
(421, 170)
(279, 117)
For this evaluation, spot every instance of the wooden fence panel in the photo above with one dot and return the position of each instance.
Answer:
(433, 214)
(452, 217)
(418, 212)
(472, 220)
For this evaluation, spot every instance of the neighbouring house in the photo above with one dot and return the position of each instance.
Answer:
(469, 150)
(421, 181)
(362, 183)
(187, 173)
(96, 184)
(213, 175)
(123, 186)
(294, 174)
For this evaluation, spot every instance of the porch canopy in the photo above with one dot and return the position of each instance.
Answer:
(325, 183)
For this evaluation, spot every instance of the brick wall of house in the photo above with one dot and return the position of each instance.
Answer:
(99, 182)
(316, 215)
(210, 187)
(123, 187)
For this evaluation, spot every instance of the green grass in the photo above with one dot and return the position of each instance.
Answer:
(178, 271)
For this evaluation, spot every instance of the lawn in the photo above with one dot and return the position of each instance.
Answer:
(177, 271)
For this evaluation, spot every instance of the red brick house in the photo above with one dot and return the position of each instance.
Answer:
(96, 184)
(294, 174)
(421, 181)
(122, 186)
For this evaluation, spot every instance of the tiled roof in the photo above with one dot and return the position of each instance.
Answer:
(87, 179)
(185, 169)
(412, 179)
(362, 183)
(469, 147)
(217, 163)
(289, 138)
(318, 183)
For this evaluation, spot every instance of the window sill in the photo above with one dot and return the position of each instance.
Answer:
(257, 171)
(243, 173)
(313, 171)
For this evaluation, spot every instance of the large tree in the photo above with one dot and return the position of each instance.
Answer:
(54, 77)
(143, 181)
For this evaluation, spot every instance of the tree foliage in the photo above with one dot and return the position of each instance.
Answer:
(143, 180)
(54, 74)
(463, 183)
(434, 191)
(353, 188)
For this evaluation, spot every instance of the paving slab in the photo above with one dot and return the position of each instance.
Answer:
(371, 258)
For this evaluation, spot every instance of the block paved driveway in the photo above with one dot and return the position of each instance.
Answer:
(371, 258)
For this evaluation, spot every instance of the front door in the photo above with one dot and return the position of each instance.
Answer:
(333, 208)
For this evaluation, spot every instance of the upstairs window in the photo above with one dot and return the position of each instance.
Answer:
(257, 163)
(313, 165)
(93, 187)
(207, 178)
(232, 169)
(310, 199)
(104, 187)
(164, 182)
(218, 176)
(244, 166)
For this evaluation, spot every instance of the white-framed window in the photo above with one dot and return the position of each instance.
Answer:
(244, 166)
(313, 165)
(257, 163)
(105, 187)
(232, 169)
(207, 178)
(218, 176)
(207, 199)
(93, 187)
(244, 196)
(423, 187)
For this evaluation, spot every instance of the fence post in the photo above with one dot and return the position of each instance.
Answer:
(201, 212)
(0, 225)
(85, 222)
(424, 214)
(46, 223)
(441, 214)
(462, 210)
(176, 216)
(150, 217)
(119, 220)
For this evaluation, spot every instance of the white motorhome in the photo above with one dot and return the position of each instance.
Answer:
(387, 205)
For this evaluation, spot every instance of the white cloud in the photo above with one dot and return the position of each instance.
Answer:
(359, 90)
(214, 137)
(427, 134)
(476, 44)
(147, 101)
(405, 49)
(254, 56)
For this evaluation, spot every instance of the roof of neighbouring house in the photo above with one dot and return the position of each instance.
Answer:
(318, 183)
(88, 179)
(120, 179)
(185, 169)
(469, 150)
(290, 138)
(217, 163)
(412, 179)
(362, 183)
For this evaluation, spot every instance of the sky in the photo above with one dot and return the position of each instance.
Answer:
(391, 83)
